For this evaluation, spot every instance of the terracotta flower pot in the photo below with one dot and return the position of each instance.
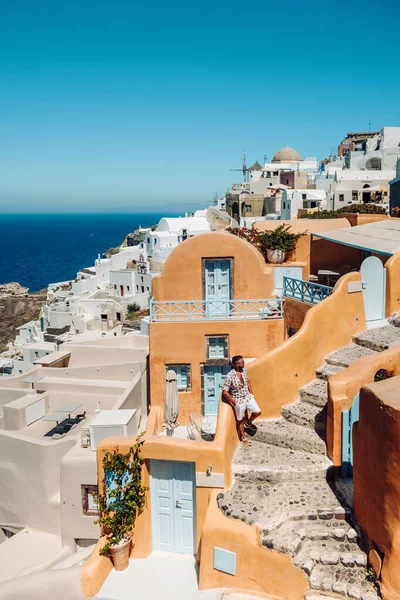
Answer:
(120, 555)
(276, 256)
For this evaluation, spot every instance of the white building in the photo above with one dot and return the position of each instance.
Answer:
(293, 200)
(172, 231)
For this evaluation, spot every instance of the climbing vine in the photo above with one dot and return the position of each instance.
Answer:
(123, 497)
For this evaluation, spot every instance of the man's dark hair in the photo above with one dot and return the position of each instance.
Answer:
(236, 358)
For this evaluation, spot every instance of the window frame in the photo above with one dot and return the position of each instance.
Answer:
(86, 491)
(225, 339)
(175, 367)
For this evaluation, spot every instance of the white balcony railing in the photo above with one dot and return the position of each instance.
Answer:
(217, 310)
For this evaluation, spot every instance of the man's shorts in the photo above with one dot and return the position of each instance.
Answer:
(250, 404)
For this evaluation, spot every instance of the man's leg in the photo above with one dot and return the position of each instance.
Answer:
(253, 416)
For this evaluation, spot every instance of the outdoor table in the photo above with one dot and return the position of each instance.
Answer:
(326, 273)
(68, 407)
(32, 379)
(56, 416)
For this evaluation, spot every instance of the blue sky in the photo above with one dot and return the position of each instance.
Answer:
(109, 104)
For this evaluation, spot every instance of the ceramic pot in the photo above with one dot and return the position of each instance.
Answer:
(276, 256)
(120, 555)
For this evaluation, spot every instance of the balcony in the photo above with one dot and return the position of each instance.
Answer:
(215, 310)
(305, 291)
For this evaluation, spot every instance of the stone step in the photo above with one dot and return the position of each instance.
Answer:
(306, 415)
(379, 338)
(326, 371)
(267, 463)
(346, 581)
(269, 505)
(290, 536)
(329, 552)
(279, 432)
(395, 319)
(345, 356)
(315, 392)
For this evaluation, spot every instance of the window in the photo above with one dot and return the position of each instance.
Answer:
(284, 205)
(36, 354)
(354, 196)
(90, 505)
(341, 197)
(141, 279)
(148, 240)
(287, 181)
(217, 346)
(103, 317)
(304, 196)
(137, 288)
(182, 376)
(155, 241)
(128, 288)
(142, 289)
(248, 208)
(115, 286)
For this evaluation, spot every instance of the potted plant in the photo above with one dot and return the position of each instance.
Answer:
(280, 243)
(121, 502)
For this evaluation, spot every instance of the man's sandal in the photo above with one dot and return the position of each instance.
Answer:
(245, 444)
(250, 426)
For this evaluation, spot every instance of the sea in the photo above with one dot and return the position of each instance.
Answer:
(38, 249)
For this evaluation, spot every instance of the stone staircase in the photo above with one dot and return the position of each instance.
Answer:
(284, 483)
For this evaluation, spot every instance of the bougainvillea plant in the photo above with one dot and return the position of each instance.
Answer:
(276, 239)
(123, 497)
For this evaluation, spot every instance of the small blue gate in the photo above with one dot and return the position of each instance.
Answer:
(349, 417)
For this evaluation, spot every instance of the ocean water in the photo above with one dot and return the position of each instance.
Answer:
(39, 249)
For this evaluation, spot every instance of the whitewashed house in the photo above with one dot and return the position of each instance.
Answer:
(293, 200)
(172, 231)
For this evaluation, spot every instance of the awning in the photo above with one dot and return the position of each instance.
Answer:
(382, 237)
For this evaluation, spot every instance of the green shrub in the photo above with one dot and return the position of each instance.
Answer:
(133, 307)
(383, 374)
(321, 214)
(363, 209)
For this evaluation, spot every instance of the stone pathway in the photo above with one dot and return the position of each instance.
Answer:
(285, 485)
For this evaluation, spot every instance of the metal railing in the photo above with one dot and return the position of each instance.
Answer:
(305, 290)
(218, 310)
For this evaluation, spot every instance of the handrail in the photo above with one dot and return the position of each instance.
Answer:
(305, 291)
(218, 310)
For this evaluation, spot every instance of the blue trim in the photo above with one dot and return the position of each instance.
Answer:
(351, 245)
(305, 291)
(396, 180)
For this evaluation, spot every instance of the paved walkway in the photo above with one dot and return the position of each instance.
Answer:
(161, 575)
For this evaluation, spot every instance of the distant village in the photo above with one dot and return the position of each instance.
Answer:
(296, 270)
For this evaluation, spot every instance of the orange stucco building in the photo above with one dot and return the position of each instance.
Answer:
(215, 298)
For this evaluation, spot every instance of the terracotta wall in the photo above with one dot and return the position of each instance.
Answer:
(377, 481)
(357, 219)
(181, 277)
(318, 253)
(295, 313)
(343, 387)
(218, 454)
(257, 569)
(277, 376)
(185, 343)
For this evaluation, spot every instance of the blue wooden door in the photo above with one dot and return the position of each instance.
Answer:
(349, 417)
(172, 487)
(374, 288)
(217, 287)
(214, 378)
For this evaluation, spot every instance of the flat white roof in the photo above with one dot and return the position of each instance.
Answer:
(382, 237)
(113, 417)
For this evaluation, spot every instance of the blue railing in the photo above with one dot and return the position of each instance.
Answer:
(218, 310)
(305, 290)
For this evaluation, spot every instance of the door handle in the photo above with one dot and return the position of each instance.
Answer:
(178, 504)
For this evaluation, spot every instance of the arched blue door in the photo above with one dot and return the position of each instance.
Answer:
(374, 288)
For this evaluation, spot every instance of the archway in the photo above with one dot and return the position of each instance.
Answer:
(366, 195)
(235, 211)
